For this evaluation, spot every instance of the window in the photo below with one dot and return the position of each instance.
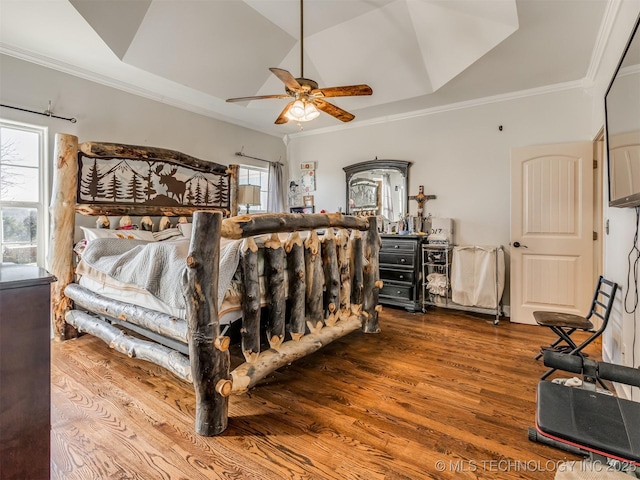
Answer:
(250, 175)
(22, 193)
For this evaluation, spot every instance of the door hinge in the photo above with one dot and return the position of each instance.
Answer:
(595, 235)
(595, 164)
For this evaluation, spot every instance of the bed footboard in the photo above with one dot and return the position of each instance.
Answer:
(317, 299)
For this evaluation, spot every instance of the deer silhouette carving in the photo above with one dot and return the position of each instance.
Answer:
(175, 187)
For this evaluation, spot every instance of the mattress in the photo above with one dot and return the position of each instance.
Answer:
(229, 311)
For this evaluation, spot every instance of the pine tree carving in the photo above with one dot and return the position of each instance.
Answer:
(134, 189)
(198, 200)
(207, 193)
(92, 184)
(149, 191)
(222, 193)
(114, 187)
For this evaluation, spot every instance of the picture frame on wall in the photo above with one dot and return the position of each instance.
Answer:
(295, 194)
(307, 200)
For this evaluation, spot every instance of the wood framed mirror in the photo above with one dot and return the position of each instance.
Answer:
(378, 187)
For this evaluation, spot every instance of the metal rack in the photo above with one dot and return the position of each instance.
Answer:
(436, 259)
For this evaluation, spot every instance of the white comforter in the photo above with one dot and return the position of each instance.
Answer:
(156, 267)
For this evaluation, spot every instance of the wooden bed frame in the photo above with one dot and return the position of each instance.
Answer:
(332, 289)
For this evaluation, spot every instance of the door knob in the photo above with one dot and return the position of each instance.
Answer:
(518, 245)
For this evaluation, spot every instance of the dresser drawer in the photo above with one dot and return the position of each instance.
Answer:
(397, 275)
(397, 291)
(397, 258)
(390, 245)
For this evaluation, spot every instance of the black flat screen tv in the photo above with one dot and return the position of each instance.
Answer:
(622, 119)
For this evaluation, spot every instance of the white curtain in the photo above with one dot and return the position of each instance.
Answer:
(276, 196)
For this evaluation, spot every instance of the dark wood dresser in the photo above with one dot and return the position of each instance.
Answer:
(401, 271)
(25, 391)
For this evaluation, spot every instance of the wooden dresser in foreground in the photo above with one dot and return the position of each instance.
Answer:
(25, 333)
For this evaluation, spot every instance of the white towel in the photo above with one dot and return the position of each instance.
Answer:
(437, 284)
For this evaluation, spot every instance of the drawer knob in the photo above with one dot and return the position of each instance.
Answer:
(398, 246)
(401, 276)
(398, 292)
(402, 260)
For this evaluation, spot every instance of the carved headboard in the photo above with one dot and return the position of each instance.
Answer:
(115, 179)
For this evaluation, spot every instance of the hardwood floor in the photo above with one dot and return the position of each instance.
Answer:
(437, 395)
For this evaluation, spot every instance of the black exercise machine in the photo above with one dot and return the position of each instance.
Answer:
(586, 421)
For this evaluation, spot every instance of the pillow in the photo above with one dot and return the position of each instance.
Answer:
(79, 247)
(93, 233)
(185, 229)
(166, 234)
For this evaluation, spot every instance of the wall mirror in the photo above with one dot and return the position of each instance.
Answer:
(378, 187)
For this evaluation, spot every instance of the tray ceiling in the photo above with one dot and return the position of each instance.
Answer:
(415, 54)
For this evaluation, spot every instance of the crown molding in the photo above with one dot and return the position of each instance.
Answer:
(127, 87)
(200, 110)
(606, 27)
(559, 87)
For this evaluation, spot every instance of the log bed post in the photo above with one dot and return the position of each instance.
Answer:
(274, 275)
(331, 277)
(372, 283)
(297, 285)
(208, 351)
(344, 256)
(233, 188)
(315, 282)
(357, 269)
(62, 210)
(250, 330)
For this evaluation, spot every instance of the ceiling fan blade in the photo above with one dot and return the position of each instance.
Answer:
(331, 109)
(282, 118)
(346, 91)
(289, 80)
(259, 97)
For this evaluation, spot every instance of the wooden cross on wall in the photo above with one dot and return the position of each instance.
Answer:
(421, 198)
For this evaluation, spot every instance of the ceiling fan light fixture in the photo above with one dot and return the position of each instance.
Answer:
(302, 111)
(310, 111)
(308, 99)
(297, 110)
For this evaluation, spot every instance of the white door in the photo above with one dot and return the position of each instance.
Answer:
(551, 229)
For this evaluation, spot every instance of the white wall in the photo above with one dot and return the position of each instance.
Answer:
(621, 341)
(460, 156)
(110, 115)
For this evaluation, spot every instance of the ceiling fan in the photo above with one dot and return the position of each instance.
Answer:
(308, 99)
